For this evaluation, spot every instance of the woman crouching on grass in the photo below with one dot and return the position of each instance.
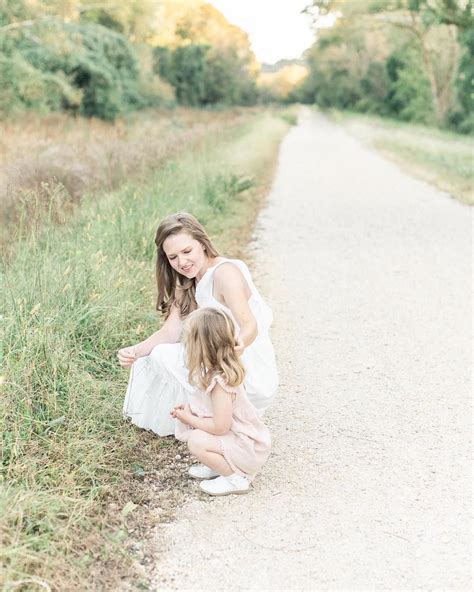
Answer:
(222, 428)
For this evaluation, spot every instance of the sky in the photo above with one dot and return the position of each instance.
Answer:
(276, 28)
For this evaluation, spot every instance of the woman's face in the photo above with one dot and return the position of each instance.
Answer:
(185, 254)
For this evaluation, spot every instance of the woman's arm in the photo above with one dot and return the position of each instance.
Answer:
(231, 288)
(219, 424)
(169, 333)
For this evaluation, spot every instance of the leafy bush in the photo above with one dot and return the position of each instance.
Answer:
(206, 75)
(84, 67)
(219, 191)
(409, 93)
(24, 86)
(226, 80)
(182, 68)
(462, 117)
(154, 91)
(375, 86)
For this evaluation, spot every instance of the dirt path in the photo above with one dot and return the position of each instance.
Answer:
(368, 274)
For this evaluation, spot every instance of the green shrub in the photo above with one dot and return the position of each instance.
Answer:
(184, 68)
(205, 75)
(226, 79)
(24, 86)
(58, 65)
(375, 86)
(462, 117)
(410, 89)
(219, 191)
(155, 91)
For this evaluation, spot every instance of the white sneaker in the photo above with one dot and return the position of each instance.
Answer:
(225, 485)
(202, 472)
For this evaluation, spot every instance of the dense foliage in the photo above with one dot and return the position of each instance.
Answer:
(203, 76)
(87, 68)
(407, 59)
(100, 59)
(463, 116)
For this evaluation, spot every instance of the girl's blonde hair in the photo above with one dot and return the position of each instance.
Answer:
(209, 339)
(167, 278)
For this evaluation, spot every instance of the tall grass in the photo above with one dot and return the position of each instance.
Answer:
(68, 157)
(71, 296)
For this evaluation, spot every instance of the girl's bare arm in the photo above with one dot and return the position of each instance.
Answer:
(220, 423)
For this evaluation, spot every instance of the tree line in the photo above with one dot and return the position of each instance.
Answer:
(104, 58)
(412, 60)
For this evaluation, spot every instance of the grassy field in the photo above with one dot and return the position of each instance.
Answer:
(78, 483)
(442, 158)
(64, 158)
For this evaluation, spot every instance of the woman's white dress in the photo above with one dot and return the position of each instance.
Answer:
(160, 381)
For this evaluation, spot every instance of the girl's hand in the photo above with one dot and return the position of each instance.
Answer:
(126, 356)
(183, 413)
(175, 408)
(239, 346)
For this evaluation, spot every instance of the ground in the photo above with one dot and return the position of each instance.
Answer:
(367, 271)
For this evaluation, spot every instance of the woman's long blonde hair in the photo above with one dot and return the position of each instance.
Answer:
(167, 278)
(209, 340)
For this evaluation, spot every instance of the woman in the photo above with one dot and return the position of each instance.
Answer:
(191, 274)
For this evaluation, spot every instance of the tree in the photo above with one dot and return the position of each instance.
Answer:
(426, 21)
(133, 18)
(206, 59)
(279, 83)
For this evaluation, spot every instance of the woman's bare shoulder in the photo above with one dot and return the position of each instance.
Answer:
(228, 272)
(230, 281)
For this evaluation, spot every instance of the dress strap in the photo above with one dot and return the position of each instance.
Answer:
(218, 379)
(209, 274)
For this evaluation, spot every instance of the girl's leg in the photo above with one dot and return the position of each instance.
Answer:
(205, 447)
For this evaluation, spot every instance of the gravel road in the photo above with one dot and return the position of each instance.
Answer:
(368, 272)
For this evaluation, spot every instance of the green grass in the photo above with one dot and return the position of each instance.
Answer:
(442, 158)
(290, 114)
(72, 294)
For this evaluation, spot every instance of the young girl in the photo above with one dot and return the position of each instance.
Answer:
(222, 428)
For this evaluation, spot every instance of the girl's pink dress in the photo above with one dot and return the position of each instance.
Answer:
(246, 445)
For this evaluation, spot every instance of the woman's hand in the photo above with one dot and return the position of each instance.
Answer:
(239, 346)
(169, 333)
(127, 355)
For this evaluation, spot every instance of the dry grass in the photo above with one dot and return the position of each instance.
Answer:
(442, 158)
(59, 154)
